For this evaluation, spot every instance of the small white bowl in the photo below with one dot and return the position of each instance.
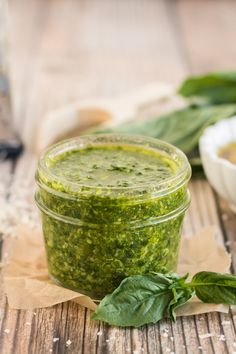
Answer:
(220, 172)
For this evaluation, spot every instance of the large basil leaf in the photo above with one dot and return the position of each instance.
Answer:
(143, 299)
(181, 128)
(215, 288)
(219, 87)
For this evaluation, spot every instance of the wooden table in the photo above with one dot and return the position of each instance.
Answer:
(69, 49)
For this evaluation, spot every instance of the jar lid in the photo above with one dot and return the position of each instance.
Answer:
(57, 181)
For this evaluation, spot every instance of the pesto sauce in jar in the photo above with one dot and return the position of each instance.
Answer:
(112, 206)
(113, 166)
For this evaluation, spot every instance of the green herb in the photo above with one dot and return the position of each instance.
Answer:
(143, 299)
(219, 87)
(215, 287)
(113, 164)
(181, 128)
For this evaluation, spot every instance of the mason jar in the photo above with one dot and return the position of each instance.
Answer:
(112, 206)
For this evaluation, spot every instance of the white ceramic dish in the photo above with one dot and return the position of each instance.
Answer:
(220, 172)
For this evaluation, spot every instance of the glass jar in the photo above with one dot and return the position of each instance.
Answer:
(95, 236)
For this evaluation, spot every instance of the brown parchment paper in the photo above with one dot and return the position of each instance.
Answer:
(27, 284)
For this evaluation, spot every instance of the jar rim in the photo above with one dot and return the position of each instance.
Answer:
(181, 176)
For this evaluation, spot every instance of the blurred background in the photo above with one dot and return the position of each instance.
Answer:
(62, 51)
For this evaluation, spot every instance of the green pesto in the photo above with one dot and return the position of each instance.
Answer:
(113, 166)
(96, 239)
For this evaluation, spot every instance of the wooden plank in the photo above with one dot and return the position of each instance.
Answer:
(6, 174)
(24, 36)
(208, 31)
(78, 49)
(228, 224)
(63, 66)
(205, 46)
(202, 213)
(12, 321)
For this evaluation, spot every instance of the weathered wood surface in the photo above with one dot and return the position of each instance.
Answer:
(65, 49)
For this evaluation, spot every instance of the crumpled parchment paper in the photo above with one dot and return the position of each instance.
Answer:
(28, 286)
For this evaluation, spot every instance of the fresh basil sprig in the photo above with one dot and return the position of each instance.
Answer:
(143, 299)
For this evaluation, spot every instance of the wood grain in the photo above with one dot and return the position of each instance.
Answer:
(70, 50)
(63, 50)
(208, 30)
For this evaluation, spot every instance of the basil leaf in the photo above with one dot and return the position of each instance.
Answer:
(215, 288)
(181, 128)
(218, 87)
(142, 299)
